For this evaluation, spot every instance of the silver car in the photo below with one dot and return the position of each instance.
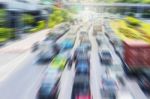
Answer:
(47, 50)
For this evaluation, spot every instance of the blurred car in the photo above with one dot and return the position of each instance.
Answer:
(35, 46)
(79, 51)
(67, 44)
(49, 86)
(82, 57)
(84, 95)
(52, 37)
(47, 50)
(83, 67)
(109, 87)
(100, 40)
(86, 44)
(83, 33)
(59, 62)
(65, 54)
(105, 57)
(144, 81)
(81, 88)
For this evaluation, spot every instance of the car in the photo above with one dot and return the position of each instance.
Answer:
(59, 62)
(47, 50)
(105, 57)
(109, 87)
(100, 39)
(144, 81)
(82, 67)
(35, 46)
(67, 44)
(83, 94)
(52, 37)
(81, 88)
(86, 44)
(50, 85)
(80, 52)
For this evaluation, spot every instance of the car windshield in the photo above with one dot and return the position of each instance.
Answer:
(46, 88)
(82, 64)
(106, 54)
(109, 82)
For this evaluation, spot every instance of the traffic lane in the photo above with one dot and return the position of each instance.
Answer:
(18, 48)
(67, 77)
(7, 57)
(66, 84)
(134, 88)
(96, 69)
(27, 43)
(131, 85)
(20, 84)
(6, 69)
(116, 66)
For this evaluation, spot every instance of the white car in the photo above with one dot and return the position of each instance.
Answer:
(109, 85)
(47, 50)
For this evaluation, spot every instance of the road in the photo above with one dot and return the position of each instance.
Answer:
(21, 75)
(97, 70)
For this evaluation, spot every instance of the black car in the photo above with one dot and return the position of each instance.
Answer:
(81, 88)
(105, 57)
(81, 53)
(144, 81)
(50, 85)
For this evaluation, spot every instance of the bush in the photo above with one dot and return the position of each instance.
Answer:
(41, 25)
(58, 16)
(28, 19)
(2, 17)
(33, 30)
(5, 34)
(132, 21)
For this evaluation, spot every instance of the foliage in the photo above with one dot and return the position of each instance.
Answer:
(126, 1)
(57, 16)
(132, 21)
(122, 29)
(2, 17)
(5, 34)
(41, 25)
(28, 19)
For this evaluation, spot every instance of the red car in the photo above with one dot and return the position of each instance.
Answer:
(83, 96)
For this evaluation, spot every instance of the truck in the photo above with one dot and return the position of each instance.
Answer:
(135, 56)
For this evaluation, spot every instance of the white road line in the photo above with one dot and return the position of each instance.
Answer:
(95, 77)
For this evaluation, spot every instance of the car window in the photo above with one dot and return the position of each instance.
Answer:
(106, 54)
(109, 82)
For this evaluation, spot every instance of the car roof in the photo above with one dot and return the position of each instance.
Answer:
(82, 63)
(81, 79)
